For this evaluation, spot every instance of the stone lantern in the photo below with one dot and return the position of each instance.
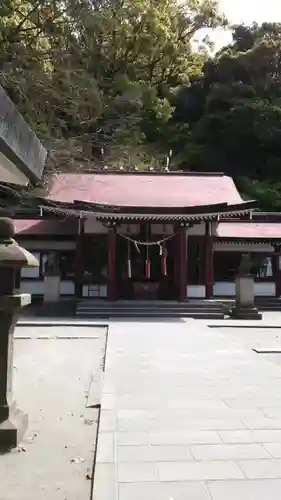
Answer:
(245, 296)
(13, 422)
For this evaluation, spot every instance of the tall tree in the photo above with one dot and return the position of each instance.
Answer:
(64, 62)
(236, 125)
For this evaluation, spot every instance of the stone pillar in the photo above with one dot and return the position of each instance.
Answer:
(51, 289)
(111, 264)
(245, 295)
(183, 264)
(52, 280)
(209, 263)
(13, 422)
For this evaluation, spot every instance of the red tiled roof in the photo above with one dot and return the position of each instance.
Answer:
(143, 190)
(44, 227)
(249, 230)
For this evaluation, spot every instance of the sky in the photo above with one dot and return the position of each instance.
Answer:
(246, 11)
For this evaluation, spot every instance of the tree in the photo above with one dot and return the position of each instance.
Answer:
(74, 67)
(234, 112)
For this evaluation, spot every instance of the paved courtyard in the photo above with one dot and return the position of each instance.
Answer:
(53, 369)
(189, 413)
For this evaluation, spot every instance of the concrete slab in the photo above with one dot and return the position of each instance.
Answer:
(274, 449)
(245, 490)
(155, 454)
(261, 469)
(228, 452)
(198, 471)
(270, 319)
(159, 491)
(130, 472)
(58, 331)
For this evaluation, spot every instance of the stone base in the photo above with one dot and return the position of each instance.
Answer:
(51, 289)
(245, 313)
(13, 429)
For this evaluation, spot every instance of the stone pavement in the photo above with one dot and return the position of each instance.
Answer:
(53, 367)
(188, 413)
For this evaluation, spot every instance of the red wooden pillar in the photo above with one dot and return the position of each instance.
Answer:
(111, 264)
(182, 264)
(276, 271)
(79, 267)
(176, 261)
(209, 263)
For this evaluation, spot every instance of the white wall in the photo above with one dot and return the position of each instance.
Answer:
(67, 288)
(196, 291)
(227, 289)
(36, 287)
(33, 287)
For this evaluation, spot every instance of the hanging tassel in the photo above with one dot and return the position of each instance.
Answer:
(129, 264)
(164, 262)
(147, 264)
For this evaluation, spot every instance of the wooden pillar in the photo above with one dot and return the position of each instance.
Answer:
(182, 264)
(276, 271)
(209, 263)
(111, 264)
(79, 266)
(176, 261)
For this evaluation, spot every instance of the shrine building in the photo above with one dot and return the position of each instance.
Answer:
(166, 236)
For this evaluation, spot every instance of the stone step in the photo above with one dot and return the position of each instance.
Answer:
(203, 309)
(266, 307)
(136, 312)
(262, 303)
(145, 308)
(171, 314)
(134, 305)
(150, 314)
(124, 310)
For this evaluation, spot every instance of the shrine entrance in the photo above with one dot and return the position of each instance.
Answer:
(145, 266)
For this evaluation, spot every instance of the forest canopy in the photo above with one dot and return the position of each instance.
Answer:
(119, 83)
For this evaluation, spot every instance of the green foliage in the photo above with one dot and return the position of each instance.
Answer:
(120, 77)
(100, 69)
(236, 127)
